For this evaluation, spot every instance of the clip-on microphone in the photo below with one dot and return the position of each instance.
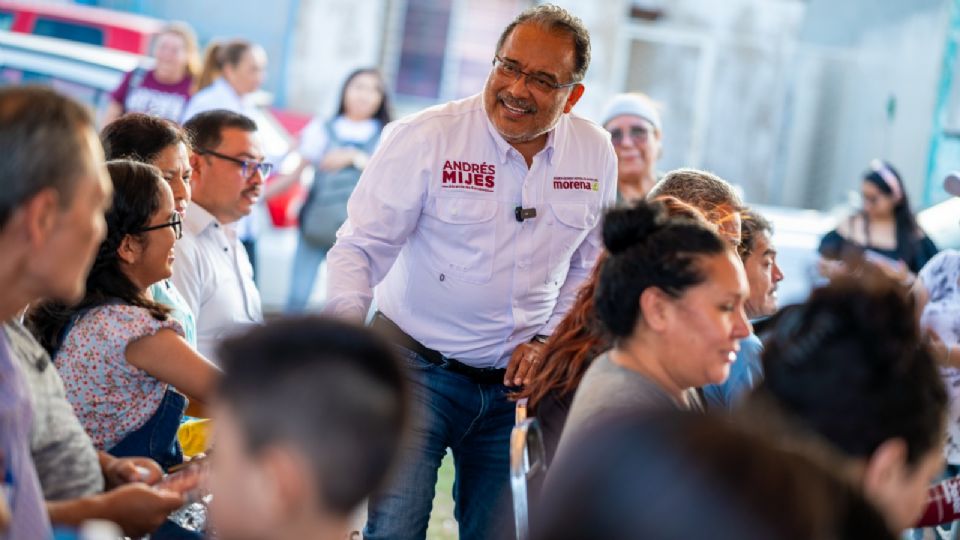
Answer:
(522, 213)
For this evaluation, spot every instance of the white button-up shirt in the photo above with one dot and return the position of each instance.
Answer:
(213, 273)
(219, 95)
(432, 225)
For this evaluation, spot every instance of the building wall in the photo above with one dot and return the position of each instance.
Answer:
(331, 38)
(789, 99)
(869, 92)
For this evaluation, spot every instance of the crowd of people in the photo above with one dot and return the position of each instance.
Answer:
(488, 255)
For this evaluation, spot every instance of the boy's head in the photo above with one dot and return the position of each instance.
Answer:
(310, 413)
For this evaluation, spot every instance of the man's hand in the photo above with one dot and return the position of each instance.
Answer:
(138, 508)
(524, 363)
(120, 471)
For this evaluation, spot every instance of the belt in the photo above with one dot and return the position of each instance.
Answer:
(389, 329)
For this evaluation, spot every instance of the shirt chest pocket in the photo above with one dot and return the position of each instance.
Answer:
(570, 223)
(470, 236)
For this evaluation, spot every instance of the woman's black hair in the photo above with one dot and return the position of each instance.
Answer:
(850, 365)
(662, 475)
(907, 229)
(140, 137)
(383, 115)
(648, 249)
(137, 191)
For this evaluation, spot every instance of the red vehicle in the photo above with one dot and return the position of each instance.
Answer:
(95, 26)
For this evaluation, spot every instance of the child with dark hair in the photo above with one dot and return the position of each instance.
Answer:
(126, 366)
(309, 416)
(165, 145)
(671, 294)
(849, 366)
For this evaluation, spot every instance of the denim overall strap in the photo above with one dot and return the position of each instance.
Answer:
(157, 438)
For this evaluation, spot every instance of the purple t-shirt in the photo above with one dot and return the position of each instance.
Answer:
(19, 485)
(141, 92)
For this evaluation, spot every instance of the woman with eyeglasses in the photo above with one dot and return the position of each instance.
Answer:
(165, 145)
(125, 365)
(885, 232)
(633, 121)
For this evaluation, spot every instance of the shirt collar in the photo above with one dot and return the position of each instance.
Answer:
(197, 219)
(504, 148)
(224, 88)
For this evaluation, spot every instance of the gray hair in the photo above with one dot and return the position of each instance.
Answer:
(555, 18)
(705, 191)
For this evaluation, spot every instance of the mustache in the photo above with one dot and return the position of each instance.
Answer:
(523, 104)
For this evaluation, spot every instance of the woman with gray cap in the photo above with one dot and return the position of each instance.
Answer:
(634, 125)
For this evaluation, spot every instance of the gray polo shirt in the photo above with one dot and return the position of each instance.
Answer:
(63, 454)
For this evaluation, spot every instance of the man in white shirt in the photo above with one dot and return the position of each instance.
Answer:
(212, 270)
(242, 67)
(476, 221)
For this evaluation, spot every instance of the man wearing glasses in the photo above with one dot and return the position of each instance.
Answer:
(476, 221)
(212, 270)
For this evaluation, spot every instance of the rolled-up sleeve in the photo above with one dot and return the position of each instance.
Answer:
(381, 213)
(585, 256)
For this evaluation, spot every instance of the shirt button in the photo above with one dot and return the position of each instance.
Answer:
(442, 277)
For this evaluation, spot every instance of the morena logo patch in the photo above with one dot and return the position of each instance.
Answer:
(468, 175)
(575, 183)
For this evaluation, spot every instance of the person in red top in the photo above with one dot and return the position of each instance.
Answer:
(164, 90)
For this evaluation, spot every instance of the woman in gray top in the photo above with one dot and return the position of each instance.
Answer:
(671, 294)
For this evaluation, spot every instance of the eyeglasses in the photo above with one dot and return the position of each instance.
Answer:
(176, 223)
(639, 134)
(537, 81)
(247, 168)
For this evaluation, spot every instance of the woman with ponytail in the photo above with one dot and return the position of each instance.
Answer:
(671, 295)
(125, 364)
(232, 72)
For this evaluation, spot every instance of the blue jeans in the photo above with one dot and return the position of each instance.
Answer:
(306, 263)
(448, 410)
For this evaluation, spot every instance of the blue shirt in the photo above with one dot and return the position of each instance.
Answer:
(745, 373)
(19, 485)
(168, 295)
